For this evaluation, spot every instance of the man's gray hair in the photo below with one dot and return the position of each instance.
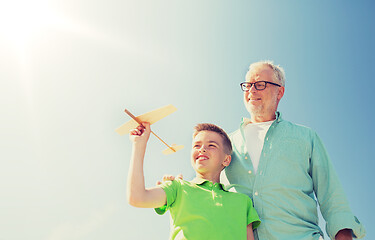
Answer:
(278, 71)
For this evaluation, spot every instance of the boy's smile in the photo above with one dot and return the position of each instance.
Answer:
(202, 157)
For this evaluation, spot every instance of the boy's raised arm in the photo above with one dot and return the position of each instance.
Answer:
(138, 195)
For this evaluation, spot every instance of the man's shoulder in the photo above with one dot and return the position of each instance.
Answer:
(295, 127)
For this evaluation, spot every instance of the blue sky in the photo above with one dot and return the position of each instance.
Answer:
(69, 68)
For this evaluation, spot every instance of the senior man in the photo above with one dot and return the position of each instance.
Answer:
(285, 168)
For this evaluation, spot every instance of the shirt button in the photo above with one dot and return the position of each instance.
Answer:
(249, 172)
(256, 193)
(245, 157)
(267, 139)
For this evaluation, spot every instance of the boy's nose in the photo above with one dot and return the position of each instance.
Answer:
(203, 149)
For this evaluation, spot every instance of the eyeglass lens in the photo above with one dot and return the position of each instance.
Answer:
(257, 85)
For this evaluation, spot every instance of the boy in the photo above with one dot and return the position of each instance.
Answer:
(202, 208)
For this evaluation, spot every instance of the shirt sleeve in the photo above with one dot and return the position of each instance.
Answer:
(170, 188)
(330, 194)
(252, 215)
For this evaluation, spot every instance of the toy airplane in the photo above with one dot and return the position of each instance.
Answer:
(150, 117)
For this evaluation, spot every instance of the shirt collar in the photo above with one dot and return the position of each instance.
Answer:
(246, 121)
(201, 181)
(198, 180)
(278, 117)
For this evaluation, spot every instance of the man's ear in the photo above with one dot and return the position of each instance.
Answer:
(280, 93)
(227, 160)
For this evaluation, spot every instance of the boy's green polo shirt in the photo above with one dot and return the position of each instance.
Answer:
(202, 210)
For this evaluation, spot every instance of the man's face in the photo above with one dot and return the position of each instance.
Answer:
(262, 102)
(207, 153)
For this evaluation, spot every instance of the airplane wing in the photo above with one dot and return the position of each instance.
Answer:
(174, 148)
(151, 117)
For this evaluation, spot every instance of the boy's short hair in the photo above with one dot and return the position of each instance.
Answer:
(213, 128)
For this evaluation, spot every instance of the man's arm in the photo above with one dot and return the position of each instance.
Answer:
(250, 235)
(334, 206)
(169, 178)
(138, 195)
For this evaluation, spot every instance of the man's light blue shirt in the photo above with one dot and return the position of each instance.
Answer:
(293, 166)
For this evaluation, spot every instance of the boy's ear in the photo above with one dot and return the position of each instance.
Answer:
(227, 160)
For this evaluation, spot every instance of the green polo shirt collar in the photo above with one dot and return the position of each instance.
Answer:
(204, 182)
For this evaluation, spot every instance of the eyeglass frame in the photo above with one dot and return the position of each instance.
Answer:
(254, 83)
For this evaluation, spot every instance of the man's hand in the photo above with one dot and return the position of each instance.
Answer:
(344, 234)
(169, 178)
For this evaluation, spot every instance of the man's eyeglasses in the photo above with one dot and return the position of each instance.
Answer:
(261, 85)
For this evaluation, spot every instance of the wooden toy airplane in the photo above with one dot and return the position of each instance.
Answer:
(150, 117)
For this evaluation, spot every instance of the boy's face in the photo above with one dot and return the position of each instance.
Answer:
(207, 153)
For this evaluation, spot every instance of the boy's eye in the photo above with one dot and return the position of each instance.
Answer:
(212, 145)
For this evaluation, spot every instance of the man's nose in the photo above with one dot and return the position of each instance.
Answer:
(252, 88)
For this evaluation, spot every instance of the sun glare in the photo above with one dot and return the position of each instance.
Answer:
(20, 20)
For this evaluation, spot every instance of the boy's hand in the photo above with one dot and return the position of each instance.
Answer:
(140, 134)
